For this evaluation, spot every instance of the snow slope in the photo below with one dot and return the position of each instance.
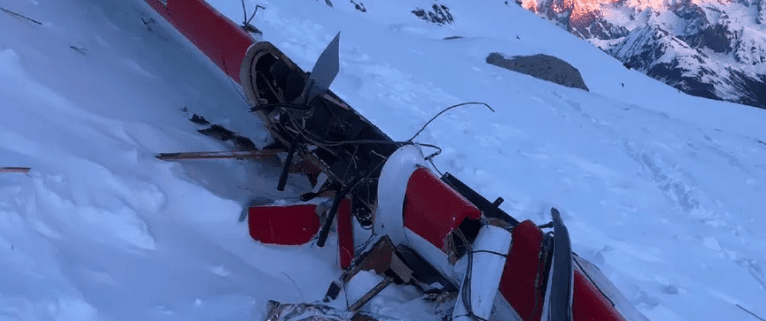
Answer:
(663, 191)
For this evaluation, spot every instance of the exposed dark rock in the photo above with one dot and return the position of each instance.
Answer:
(761, 8)
(589, 24)
(644, 47)
(754, 88)
(750, 52)
(328, 2)
(694, 16)
(359, 6)
(439, 14)
(673, 75)
(716, 38)
(541, 66)
(452, 37)
(197, 119)
(602, 29)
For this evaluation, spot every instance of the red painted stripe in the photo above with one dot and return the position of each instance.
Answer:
(432, 209)
(286, 225)
(520, 285)
(345, 234)
(222, 40)
(588, 304)
(523, 276)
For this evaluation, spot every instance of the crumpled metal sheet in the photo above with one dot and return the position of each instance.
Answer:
(317, 312)
(305, 312)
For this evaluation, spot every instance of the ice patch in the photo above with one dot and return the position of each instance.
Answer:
(131, 64)
(711, 243)
(72, 309)
(43, 228)
(726, 298)
(162, 311)
(662, 313)
(98, 276)
(221, 271)
(645, 254)
(593, 167)
(10, 64)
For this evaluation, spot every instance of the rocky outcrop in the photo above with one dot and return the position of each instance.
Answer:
(439, 14)
(541, 66)
(359, 6)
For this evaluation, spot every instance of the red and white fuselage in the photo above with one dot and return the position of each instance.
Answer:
(508, 265)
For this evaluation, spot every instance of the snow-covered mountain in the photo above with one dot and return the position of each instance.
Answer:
(663, 191)
(713, 49)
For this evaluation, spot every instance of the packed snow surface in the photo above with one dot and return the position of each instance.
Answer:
(664, 192)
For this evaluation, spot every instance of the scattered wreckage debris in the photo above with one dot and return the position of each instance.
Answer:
(81, 50)
(222, 133)
(317, 312)
(434, 233)
(14, 170)
(385, 260)
(18, 15)
(255, 154)
(244, 149)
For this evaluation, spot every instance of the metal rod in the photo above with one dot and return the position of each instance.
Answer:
(369, 295)
(330, 217)
(256, 154)
(20, 16)
(333, 209)
(748, 311)
(288, 162)
(14, 169)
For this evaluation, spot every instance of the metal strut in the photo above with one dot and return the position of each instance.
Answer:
(325, 231)
(288, 162)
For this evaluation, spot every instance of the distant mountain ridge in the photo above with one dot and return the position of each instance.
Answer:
(707, 48)
(712, 49)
